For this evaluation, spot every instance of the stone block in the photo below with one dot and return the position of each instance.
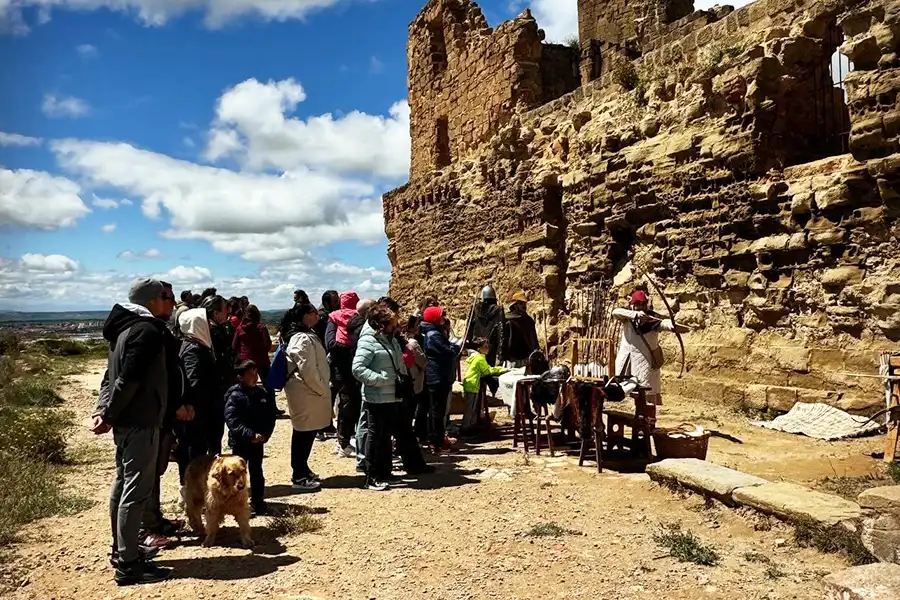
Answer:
(704, 477)
(883, 499)
(881, 536)
(781, 398)
(842, 276)
(879, 581)
(792, 502)
(755, 397)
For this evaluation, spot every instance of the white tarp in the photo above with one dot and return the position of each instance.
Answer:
(820, 421)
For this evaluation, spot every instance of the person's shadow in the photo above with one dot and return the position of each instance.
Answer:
(227, 568)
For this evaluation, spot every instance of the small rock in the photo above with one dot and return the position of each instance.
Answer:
(780, 543)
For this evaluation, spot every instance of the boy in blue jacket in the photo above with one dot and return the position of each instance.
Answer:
(250, 414)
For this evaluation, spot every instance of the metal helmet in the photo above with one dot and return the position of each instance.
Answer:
(488, 293)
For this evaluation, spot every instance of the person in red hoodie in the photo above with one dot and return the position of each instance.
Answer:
(252, 341)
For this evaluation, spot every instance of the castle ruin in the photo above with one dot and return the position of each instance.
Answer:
(758, 171)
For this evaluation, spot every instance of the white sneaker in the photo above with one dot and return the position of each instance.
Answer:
(347, 452)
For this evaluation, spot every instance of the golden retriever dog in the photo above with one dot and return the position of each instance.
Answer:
(215, 486)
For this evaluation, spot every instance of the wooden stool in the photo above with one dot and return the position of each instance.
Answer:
(642, 423)
(592, 431)
(523, 425)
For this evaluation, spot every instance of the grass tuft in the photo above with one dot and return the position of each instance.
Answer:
(893, 471)
(685, 546)
(290, 525)
(832, 540)
(850, 488)
(550, 530)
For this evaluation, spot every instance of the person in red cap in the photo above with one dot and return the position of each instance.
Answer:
(439, 374)
(640, 355)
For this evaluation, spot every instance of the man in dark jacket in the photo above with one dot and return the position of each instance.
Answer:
(290, 319)
(520, 337)
(331, 301)
(489, 322)
(250, 415)
(439, 374)
(154, 522)
(134, 409)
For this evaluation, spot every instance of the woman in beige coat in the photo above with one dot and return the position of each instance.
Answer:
(308, 394)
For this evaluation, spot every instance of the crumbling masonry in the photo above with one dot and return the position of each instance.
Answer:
(756, 170)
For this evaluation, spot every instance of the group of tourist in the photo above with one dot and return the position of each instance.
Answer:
(173, 390)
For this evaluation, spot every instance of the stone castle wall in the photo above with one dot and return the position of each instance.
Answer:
(721, 153)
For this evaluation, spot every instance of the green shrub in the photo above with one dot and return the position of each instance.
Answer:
(30, 393)
(893, 471)
(290, 525)
(10, 343)
(31, 490)
(572, 42)
(550, 530)
(35, 433)
(63, 347)
(626, 75)
(685, 546)
(832, 540)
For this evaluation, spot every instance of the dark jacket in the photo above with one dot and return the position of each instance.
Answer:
(286, 329)
(176, 379)
(322, 325)
(442, 356)
(488, 321)
(135, 387)
(341, 355)
(222, 338)
(202, 379)
(252, 342)
(520, 338)
(248, 411)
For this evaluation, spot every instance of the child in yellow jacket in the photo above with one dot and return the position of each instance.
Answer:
(477, 367)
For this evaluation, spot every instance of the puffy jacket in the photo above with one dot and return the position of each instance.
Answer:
(222, 338)
(342, 354)
(441, 354)
(248, 411)
(342, 317)
(134, 392)
(252, 342)
(476, 368)
(378, 360)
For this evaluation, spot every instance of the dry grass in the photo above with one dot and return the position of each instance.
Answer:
(291, 525)
(832, 540)
(685, 546)
(550, 530)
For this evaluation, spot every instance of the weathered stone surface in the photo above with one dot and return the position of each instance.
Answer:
(790, 501)
(681, 168)
(882, 499)
(881, 536)
(878, 581)
(707, 478)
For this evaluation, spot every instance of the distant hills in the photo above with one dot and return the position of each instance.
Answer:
(269, 317)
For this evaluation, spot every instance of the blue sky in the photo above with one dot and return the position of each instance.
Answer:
(231, 142)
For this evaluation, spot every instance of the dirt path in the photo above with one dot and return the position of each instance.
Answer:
(457, 535)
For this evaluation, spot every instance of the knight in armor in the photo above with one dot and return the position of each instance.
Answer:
(488, 322)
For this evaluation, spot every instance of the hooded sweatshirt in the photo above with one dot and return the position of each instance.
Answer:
(135, 389)
(342, 317)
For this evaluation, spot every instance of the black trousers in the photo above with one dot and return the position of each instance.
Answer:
(153, 516)
(387, 421)
(419, 407)
(349, 405)
(192, 442)
(437, 412)
(253, 454)
(301, 448)
(215, 429)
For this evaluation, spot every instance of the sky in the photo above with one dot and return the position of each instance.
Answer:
(243, 144)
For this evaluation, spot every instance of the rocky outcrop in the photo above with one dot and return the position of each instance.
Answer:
(714, 152)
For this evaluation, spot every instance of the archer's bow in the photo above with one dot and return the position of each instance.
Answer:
(674, 323)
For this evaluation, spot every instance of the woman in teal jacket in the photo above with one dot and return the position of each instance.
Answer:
(377, 364)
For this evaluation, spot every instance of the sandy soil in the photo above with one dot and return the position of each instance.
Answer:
(459, 534)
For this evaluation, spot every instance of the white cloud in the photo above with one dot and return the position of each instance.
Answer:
(15, 139)
(108, 228)
(252, 126)
(50, 263)
(209, 199)
(187, 275)
(217, 13)
(38, 199)
(64, 106)
(189, 141)
(87, 50)
(126, 202)
(150, 253)
(558, 18)
(104, 203)
(375, 65)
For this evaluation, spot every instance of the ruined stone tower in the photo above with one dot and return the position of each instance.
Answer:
(755, 167)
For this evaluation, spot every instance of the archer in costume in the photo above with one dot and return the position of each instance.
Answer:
(640, 355)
